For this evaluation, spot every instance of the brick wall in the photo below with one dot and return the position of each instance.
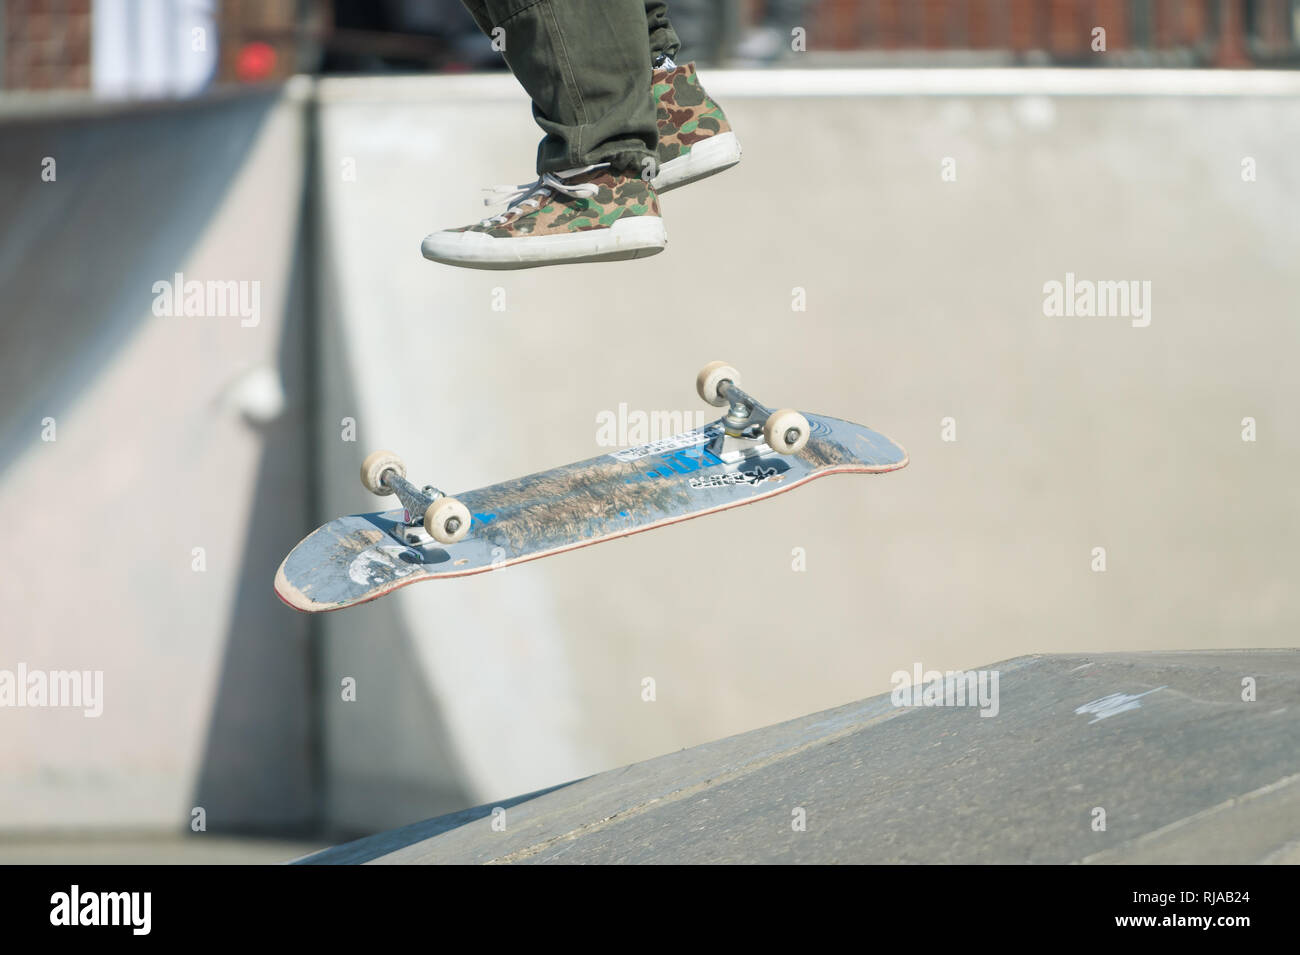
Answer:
(1243, 31)
(46, 44)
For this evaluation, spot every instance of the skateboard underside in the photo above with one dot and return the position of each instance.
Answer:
(363, 556)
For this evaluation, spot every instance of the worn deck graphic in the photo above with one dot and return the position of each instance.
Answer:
(355, 559)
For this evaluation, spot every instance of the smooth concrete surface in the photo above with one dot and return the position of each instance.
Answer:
(97, 848)
(924, 302)
(165, 434)
(1182, 769)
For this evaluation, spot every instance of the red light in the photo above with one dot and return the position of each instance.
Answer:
(256, 62)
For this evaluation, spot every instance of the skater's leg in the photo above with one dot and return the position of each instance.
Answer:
(478, 10)
(583, 63)
(695, 139)
(663, 38)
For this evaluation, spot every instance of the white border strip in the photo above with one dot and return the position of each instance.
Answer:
(1005, 82)
(975, 81)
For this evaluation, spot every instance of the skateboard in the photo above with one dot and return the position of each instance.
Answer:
(750, 453)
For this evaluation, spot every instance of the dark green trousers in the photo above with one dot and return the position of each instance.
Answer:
(586, 65)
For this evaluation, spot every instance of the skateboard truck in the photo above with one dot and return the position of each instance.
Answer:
(748, 427)
(442, 518)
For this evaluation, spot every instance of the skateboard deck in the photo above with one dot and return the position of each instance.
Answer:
(358, 558)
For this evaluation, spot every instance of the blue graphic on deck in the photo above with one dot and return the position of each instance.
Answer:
(684, 461)
(484, 518)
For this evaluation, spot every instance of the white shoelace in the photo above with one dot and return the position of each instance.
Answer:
(533, 193)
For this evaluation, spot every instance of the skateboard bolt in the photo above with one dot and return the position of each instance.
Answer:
(452, 525)
(792, 435)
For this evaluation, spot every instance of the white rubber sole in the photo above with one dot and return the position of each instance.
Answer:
(706, 158)
(632, 237)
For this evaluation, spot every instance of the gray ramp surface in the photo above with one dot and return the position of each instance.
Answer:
(1184, 769)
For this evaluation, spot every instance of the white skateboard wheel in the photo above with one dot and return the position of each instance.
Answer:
(786, 431)
(373, 468)
(712, 375)
(447, 520)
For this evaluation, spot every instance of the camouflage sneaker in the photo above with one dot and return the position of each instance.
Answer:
(590, 214)
(695, 139)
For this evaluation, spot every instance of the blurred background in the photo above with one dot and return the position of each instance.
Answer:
(145, 47)
(917, 170)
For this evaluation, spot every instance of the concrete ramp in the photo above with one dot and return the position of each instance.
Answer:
(1160, 747)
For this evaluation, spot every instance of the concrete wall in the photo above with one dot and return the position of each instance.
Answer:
(127, 440)
(924, 301)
